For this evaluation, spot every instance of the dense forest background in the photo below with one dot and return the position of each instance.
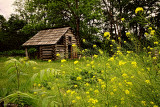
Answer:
(88, 18)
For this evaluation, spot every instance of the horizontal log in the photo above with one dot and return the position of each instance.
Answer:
(59, 45)
(50, 49)
(42, 47)
(46, 51)
(59, 50)
(47, 57)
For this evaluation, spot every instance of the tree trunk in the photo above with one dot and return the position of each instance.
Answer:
(77, 25)
(26, 51)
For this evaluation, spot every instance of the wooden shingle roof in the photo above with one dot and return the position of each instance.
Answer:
(46, 37)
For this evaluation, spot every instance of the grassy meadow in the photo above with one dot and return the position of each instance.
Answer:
(126, 79)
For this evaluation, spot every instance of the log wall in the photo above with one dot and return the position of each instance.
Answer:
(60, 49)
(47, 52)
(73, 41)
(50, 51)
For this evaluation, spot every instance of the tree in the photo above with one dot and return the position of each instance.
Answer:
(10, 35)
(81, 15)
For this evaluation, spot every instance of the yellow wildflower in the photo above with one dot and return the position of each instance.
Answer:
(103, 86)
(122, 100)
(120, 84)
(84, 40)
(152, 32)
(124, 41)
(34, 67)
(112, 79)
(63, 60)
(35, 93)
(96, 91)
(94, 101)
(79, 78)
(73, 92)
(122, 19)
(121, 63)
(39, 85)
(99, 80)
(74, 45)
(114, 90)
(68, 91)
(147, 81)
(124, 75)
(146, 33)
(129, 83)
(107, 64)
(143, 102)
(34, 84)
(95, 56)
(154, 58)
(43, 95)
(119, 52)
(128, 34)
(58, 55)
(73, 101)
(100, 51)
(86, 50)
(75, 62)
(88, 65)
(155, 106)
(78, 97)
(113, 41)
(49, 60)
(126, 91)
(156, 43)
(111, 93)
(86, 84)
(94, 46)
(107, 34)
(150, 28)
(92, 62)
(139, 9)
(128, 52)
(75, 86)
(90, 89)
(151, 102)
(52, 88)
(102, 71)
(87, 92)
(111, 59)
(134, 63)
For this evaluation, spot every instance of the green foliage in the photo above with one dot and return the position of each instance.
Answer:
(31, 51)
(10, 35)
(13, 53)
(49, 14)
(22, 99)
(48, 74)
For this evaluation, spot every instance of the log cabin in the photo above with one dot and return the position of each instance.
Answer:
(54, 44)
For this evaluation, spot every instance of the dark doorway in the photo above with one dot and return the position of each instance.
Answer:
(69, 51)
